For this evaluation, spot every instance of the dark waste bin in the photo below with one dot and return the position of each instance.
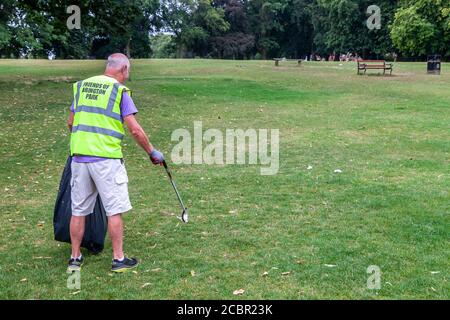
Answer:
(434, 64)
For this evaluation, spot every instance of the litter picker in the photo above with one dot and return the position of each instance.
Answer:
(184, 215)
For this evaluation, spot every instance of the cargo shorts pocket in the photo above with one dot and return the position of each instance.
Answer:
(121, 177)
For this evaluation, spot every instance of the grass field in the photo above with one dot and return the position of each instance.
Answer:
(315, 232)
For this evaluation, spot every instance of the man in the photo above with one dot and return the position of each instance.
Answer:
(100, 107)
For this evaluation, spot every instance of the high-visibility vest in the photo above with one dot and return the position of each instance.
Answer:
(98, 125)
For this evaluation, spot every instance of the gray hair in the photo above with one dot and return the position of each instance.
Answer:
(117, 61)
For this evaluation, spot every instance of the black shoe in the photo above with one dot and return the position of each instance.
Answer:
(124, 265)
(75, 264)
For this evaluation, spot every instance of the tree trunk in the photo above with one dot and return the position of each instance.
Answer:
(127, 49)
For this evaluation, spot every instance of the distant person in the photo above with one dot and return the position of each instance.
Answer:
(102, 105)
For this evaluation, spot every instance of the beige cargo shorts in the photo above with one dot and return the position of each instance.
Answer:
(107, 178)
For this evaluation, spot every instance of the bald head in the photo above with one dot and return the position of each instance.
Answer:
(117, 61)
(118, 67)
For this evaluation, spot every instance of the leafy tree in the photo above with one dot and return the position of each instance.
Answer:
(238, 42)
(25, 30)
(62, 42)
(266, 18)
(233, 45)
(422, 27)
(340, 26)
(7, 10)
(236, 29)
(194, 23)
(163, 46)
(297, 36)
(122, 26)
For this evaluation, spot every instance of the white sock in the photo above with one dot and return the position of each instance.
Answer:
(121, 259)
(72, 257)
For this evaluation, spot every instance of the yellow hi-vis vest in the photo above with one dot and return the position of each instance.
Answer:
(98, 125)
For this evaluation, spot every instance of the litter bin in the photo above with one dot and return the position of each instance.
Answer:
(434, 64)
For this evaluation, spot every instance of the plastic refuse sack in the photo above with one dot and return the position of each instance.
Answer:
(96, 222)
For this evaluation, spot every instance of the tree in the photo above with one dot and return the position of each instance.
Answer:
(296, 39)
(163, 46)
(233, 45)
(236, 29)
(422, 27)
(66, 43)
(7, 9)
(340, 26)
(194, 23)
(237, 42)
(38, 28)
(25, 30)
(266, 18)
(122, 26)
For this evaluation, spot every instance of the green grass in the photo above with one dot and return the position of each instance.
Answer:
(389, 207)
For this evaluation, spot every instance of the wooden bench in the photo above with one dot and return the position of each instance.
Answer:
(374, 64)
(277, 60)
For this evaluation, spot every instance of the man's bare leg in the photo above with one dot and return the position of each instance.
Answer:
(76, 234)
(115, 228)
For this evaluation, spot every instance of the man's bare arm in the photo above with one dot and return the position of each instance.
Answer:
(70, 121)
(138, 133)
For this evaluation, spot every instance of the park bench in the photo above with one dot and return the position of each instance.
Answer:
(374, 64)
(277, 60)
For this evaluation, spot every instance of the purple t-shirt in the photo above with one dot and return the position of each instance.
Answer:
(127, 107)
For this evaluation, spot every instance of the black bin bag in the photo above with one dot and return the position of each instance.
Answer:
(96, 222)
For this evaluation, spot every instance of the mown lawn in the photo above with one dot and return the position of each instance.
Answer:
(313, 231)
